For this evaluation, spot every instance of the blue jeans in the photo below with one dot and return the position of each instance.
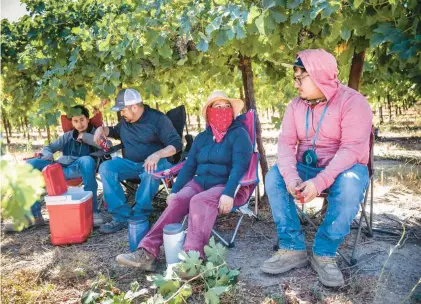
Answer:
(83, 167)
(344, 198)
(120, 169)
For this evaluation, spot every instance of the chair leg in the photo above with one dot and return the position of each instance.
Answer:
(236, 230)
(129, 188)
(215, 233)
(348, 262)
(256, 199)
(304, 216)
(165, 185)
(371, 203)
(364, 213)
(363, 216)
(231, 243)
(324, 208)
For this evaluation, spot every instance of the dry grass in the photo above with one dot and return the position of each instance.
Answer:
(24, 286)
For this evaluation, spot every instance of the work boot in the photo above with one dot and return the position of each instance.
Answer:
(140, 259)
(328, 271)
(30, 222)
(284, 260)
(112, 227)
(98, 221)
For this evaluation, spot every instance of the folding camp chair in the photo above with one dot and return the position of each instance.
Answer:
(250, 179)
(368, 219)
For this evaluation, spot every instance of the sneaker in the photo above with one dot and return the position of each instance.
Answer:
(328, 271)
(36, 221)
(98, 221)
(139, 259)
(284, 260)
(112, 227)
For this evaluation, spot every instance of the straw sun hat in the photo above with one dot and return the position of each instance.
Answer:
(237, 104)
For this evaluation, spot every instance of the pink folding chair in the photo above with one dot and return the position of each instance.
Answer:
(250, 179)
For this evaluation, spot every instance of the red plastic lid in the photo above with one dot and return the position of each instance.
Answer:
(54, 179)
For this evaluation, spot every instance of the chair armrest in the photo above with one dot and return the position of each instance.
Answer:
(36, 155)
(173, 171)
(102, 153)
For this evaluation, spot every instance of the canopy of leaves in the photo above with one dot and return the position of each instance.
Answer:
(176, 52)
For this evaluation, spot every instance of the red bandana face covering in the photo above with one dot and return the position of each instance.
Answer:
(219, 119)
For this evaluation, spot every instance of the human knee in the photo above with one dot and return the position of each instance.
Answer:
(202, 200)
(86, 162)
(106, 167)
(36, 163)
(274, 180)
(352, 182)
(172, 199)
(145, 176)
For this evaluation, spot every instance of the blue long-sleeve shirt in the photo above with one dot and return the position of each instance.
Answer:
(72, 148)
(152, 132)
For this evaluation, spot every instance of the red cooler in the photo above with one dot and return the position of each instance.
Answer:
(71, 217)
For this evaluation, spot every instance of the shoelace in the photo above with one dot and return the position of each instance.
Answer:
(328, 260)
(114, 224)
(283, 251)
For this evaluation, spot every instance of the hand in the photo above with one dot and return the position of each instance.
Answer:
(151, 163)
(170, 196)
(225, 204)
(292, 185)
(308, 191)
(99, 133)
(45, 157)
(80, 136)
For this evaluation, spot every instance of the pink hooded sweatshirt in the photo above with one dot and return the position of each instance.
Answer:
(344, 135)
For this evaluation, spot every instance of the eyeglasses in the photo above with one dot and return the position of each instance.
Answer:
(299, 79)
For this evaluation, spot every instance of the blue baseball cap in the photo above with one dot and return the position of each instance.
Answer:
(297, 63)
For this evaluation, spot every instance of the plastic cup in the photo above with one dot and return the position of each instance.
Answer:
(138, 227)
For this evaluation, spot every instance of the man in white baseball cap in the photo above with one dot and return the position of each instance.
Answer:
(148, 138)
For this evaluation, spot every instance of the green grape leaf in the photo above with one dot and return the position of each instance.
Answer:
(215, 252)
(220, 38)
(230, 33)
(169, 287)
(89, 297)
(203, 45)
(267, 4)
(293, 4)
(239, 32)
(345, 33)
(357, 3)
(165, 51)
(254, 12)
(211, 297)
(278, 16)
(214, 25)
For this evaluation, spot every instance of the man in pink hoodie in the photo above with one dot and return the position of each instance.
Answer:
(323, 146)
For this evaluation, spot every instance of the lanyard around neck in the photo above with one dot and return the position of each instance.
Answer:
(318, 126)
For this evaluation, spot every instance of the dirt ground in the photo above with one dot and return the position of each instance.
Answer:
(34, 271)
